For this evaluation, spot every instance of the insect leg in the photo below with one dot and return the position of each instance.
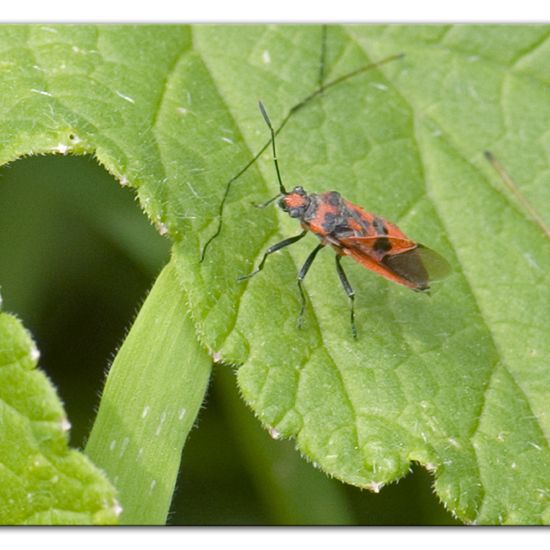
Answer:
(270, 250)
(301, 277)
(349, 292)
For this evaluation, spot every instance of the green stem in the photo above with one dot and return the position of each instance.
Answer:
(152, 396)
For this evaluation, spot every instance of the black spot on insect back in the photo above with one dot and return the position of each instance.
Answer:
(330, 221)
(333, 197)
(360, 220)
(311, 211)
(382, 244)
(379, 226)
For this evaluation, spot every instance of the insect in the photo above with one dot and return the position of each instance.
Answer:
(323, 87)
(370, 240)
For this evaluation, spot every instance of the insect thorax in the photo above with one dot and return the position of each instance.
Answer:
(328, 214)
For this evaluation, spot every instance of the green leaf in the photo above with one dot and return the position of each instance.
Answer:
(153, 393)
(42, 481)
(448, 381)
(457, 382)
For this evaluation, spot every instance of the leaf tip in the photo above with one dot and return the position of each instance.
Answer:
(374, 486)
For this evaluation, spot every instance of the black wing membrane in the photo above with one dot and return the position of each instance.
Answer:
(436, 265)
(410, 266)
(420, 265)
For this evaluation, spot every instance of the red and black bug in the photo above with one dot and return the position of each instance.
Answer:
(370, 240)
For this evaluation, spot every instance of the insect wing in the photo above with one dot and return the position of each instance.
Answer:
(436, 265)
(378, 246)
(372, 253)
(401, 260)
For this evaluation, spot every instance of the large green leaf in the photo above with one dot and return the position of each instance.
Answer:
(458, 381)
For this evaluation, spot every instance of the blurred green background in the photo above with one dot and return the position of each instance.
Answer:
(77, 258)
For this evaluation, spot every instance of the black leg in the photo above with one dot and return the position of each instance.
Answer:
(270, 250)
(349, 292)
(301, 276)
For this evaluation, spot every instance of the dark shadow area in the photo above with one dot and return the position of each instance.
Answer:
(77, 259)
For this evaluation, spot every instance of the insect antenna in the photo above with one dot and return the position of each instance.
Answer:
(276, 162)
(296, 107)
(321, 89)
(323, 57)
